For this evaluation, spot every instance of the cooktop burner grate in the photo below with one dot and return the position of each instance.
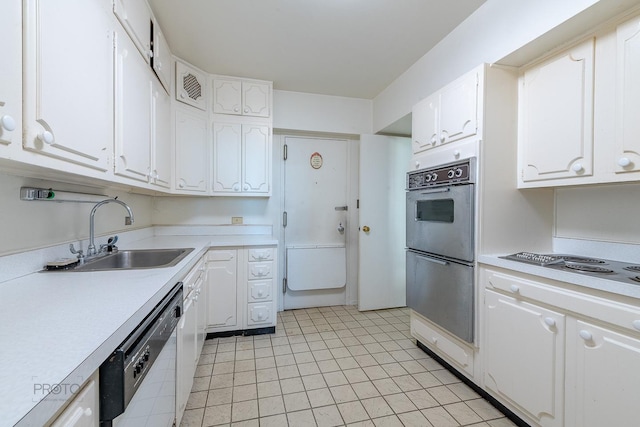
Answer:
(588, 268)
(635, 278)
(635, 268)
(581, 260)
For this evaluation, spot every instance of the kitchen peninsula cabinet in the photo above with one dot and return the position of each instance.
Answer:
(241, 97)
(68, 85)
(558, 356)
(11, 78)
(241, 159)
(556, 104)
(448, 115)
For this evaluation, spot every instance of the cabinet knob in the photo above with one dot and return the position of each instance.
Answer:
(577, 167)
(624, 161)
(442, 138)
(181, 185)
(46, 137)
(8, 123)
(434, 340)
(636, 324)
(434, 140)
(235, 110)
(514, 288)
(260, 316)
(456, 153)
(550, 322)
(246, 187)
(417, 165)
(586, 335)
(159, 65)
(260, 293)
(246, 110)
(236, 187)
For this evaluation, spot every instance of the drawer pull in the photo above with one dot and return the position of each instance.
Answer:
(434, 340)
(260, 293)
(586, 335)
(260, 316)
(514, 288)
(550, 322)
(636, 324)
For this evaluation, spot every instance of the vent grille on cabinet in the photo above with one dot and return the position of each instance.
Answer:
(192, 86)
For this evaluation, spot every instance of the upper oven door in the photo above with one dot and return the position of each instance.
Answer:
(440, 221)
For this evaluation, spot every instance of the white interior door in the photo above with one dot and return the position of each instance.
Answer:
(315, 200)
(381, 266)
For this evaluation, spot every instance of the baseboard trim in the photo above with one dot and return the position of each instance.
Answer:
(241, 332)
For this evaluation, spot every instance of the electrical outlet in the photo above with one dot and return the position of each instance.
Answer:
(236, 220)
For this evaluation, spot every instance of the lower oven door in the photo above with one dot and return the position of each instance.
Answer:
(442, 291)
(154, 403)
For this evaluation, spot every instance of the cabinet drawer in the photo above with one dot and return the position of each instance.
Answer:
(555, 294)
(260, 314)
(260, 290)
(260, 270)
(221, 255)
(192, 278)
(261, 254)
(459, 355)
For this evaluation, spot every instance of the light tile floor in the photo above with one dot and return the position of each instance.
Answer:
(331, 366)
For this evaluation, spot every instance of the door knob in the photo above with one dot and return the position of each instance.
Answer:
(366, 229)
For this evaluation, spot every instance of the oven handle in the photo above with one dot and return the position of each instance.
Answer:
(434, 260)
(437, 190)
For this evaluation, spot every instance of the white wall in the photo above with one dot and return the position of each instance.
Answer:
(607, 213)
(26, 225)
(321, 113)
(495, 30)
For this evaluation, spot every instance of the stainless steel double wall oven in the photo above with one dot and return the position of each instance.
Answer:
(441, 245)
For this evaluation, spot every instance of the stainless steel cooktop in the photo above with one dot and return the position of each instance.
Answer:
(604, 268)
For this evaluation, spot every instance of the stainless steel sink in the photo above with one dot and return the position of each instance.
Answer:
(135, 259)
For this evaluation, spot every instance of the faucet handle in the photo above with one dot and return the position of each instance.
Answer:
(79, 252)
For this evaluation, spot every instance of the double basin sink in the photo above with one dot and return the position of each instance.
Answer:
(135, 259)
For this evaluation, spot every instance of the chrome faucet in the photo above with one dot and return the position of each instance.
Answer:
(128, 220)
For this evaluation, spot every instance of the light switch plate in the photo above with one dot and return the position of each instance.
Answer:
(236, 220)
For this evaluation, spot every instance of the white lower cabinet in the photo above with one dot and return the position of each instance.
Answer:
(83, 411)
(558, 357)
(524, 356)
(241, 291)
(190, 337)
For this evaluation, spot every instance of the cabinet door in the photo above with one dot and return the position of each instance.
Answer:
(256, 99)
(260, 314)
(161, 138)
(222, 288)
(227, 157)
(524, 355)
(424, 119)
(256, 159)
(602, 376)
(83, 411)
(556, 138)
(185, 356)
(133, 112)
(227, 96)
(68, 87)
(192, 160)
(201, 305)
(459, 109)
(627, 155)
(11, 75)
(135, 17)
(191, 86)
(161, 60)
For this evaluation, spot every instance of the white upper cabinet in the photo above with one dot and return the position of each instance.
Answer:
(241, 159)
(556, 104)
(626, 157)
(191, 86)
(68, 87)
(133, 112)
(241, 97)
(448, 115)
(191, 151)
(135, 17)
(11, 75)
(161, 60)
(161, 148)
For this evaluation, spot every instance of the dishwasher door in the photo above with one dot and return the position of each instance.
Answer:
(442, 291)
(154, 403)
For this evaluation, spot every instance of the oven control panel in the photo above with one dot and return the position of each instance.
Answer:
(455, 173)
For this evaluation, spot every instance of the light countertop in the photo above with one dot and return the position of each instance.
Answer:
(590, 282)
(58, 327)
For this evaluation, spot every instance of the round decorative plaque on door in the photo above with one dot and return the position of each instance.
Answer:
(316, 160)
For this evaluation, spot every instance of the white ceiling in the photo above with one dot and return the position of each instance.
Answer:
(352, 48)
